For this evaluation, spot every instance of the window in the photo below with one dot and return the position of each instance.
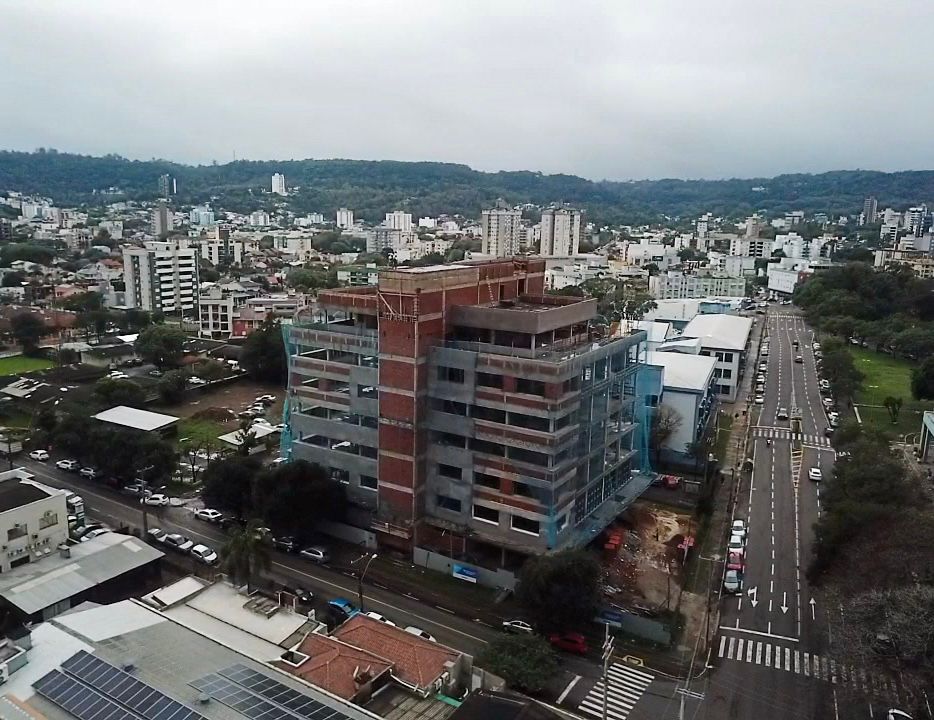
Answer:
(449, 471)
(561, 522)
(369, 452)
(530, 387)
(48, 520)
(528, 421)
(524, 525)
(491, 414)
(727, 373)
(528, 456)
(341, 476)
(450, 406)
(369, 482)
(485, 446)
(487, 481)
(449, 374)
(489, 380)
(485, 514)
(652, 400)
(725, 356)
(17, 531)
(445, 502)
(523, 489)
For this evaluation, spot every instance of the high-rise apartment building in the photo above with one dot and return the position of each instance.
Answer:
(162, 276)
(278, 184)
(915, 220)
(398, 220)
(870, 210)
(345, 218)
(500, 230)
(162, 220)
(463, 408)
(561, 232)
(6, 230)
(167, 186)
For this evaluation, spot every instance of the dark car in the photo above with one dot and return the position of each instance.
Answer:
(286, 543)
(569, 642)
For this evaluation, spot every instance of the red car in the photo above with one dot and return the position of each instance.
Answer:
(569, 642)
(735, 562)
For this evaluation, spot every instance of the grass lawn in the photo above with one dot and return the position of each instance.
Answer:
(886, 376)
(724, 423)
(21, 364)
(199, 431)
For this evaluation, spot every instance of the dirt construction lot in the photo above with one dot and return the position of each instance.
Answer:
(234, 396)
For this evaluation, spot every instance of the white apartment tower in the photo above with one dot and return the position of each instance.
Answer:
(398, 220)
(162, 277)
(500, 231)
(561, 232)
(345, 218)
(162, 220)
(278, 184)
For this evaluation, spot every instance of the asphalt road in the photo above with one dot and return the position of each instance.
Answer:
(770, 657)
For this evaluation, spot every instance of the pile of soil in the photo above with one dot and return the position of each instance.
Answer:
(223, 415)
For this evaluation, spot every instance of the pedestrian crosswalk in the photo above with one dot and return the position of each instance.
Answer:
(625, 687)
(809, 665)
(776, 433)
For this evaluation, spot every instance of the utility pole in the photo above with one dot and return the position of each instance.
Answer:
(608, 646)
(366, 567)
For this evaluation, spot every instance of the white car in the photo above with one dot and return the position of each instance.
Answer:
(828, 402)
(517, 626)
(815, 475)
(93, 534)
(69, 465)
(380, 618)
(760, 399)
(156, 535)
(782, 414)
(156, 500)
(737, 544)
(88, 472)
(418, 632)
(733, 582)
(208, 515)
(197, 381)
(40, 455)
(760, 379)
(178, 542)
(204, 554)
(739, 529)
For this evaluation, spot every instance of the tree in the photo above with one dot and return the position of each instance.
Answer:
(922, 380)
(665, 422)
(294, 497)
(263, 355)
(84, 302)
(27, 329)
(525, 662)
(894, 406)
(136, 320)
(560, 591)
(228, 484)
(246, 555)
(172, 386)
(161, 345)
(120, 392)
(13, 279)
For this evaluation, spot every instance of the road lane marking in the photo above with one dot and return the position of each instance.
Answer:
(729, 652)
(807, 665)
(760, 633)
(768, 655)
(758, 653)
(722, 644)
(568, 689)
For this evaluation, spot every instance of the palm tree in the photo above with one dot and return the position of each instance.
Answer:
(246, 554)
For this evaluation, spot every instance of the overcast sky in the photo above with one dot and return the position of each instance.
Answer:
(618, 89)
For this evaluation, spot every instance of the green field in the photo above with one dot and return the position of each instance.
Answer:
(886, 376)
(201, 432)
(21, 364)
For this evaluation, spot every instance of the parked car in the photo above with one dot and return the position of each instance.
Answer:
(733, 582)
(40, 455)
(739, 528)
(517, 626)
(380, 618)
(344, 607)
(734, 561)
(179, 542)
(155, 373)
(68, 465)
(815, 474)
(799, 359)
(782, 414)
(760, 399)
(265, 400)
(156, 500)
(418, 632)
(204, 554)
(316, 554)
(760, 379)
(569, 642)
(304, 596)
(89, 473)
(90, 535)
(737, 544)
(286, 543)
(157, 535)
(208, 515)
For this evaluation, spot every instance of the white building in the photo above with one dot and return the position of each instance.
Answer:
(217, 309)
(345, 218)
(294, 245)
(782, 280)
(358, 275)
(427, 222)
(689, 389)
(675, 284)
(162, 276)
(751, 247)
(33, 519)
(162, 220)
(278, 184)
(914, 220)
(736, 265)
(561, 231)
(724, 337)
(499, 232)
(114, 228)
(398, 220)
(642, 254)
(259, 218)
(223, 252)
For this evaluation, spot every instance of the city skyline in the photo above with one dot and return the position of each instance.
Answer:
(735, 92)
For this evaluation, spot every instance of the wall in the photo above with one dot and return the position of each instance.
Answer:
(487, 578)
(349, 533)
(685, 404)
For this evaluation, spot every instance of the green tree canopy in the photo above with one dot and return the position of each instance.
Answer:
(525, 662)
(120, 392)
(246, 556)
(161, 345)
(922, 380)
(228, 485)
(263, 355)
(560, 591)
(27, 329)
(294, 497)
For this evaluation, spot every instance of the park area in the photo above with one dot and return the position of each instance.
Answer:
(19, 364)
(886, 376)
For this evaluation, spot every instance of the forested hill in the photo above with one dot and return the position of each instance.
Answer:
(372, 188)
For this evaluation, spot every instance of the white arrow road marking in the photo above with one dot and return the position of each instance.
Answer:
(753, 592)
(784, 603)
(813, 604)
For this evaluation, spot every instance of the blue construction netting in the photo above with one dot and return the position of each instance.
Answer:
(285, 437)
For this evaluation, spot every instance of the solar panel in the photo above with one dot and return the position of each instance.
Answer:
(79, 700)
(241, 700)
(271, 689)
(122, 687)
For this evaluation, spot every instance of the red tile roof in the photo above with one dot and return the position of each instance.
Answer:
(331, 665)
(416, 662)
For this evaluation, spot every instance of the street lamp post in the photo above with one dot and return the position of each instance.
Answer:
(362, 575)
(608, 647)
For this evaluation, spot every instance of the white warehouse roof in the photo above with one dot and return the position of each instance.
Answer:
(683, 372)
(136, 419)
(720, 331)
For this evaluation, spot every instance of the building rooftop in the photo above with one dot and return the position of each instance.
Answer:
(656, 331)
(684, 372)
(416, 662)
(135, 418)
(37, 585)
(724, 332)
(17, 488)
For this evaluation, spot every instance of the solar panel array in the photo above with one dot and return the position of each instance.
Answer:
(271, 689)
(92, 689)
(79, 700)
